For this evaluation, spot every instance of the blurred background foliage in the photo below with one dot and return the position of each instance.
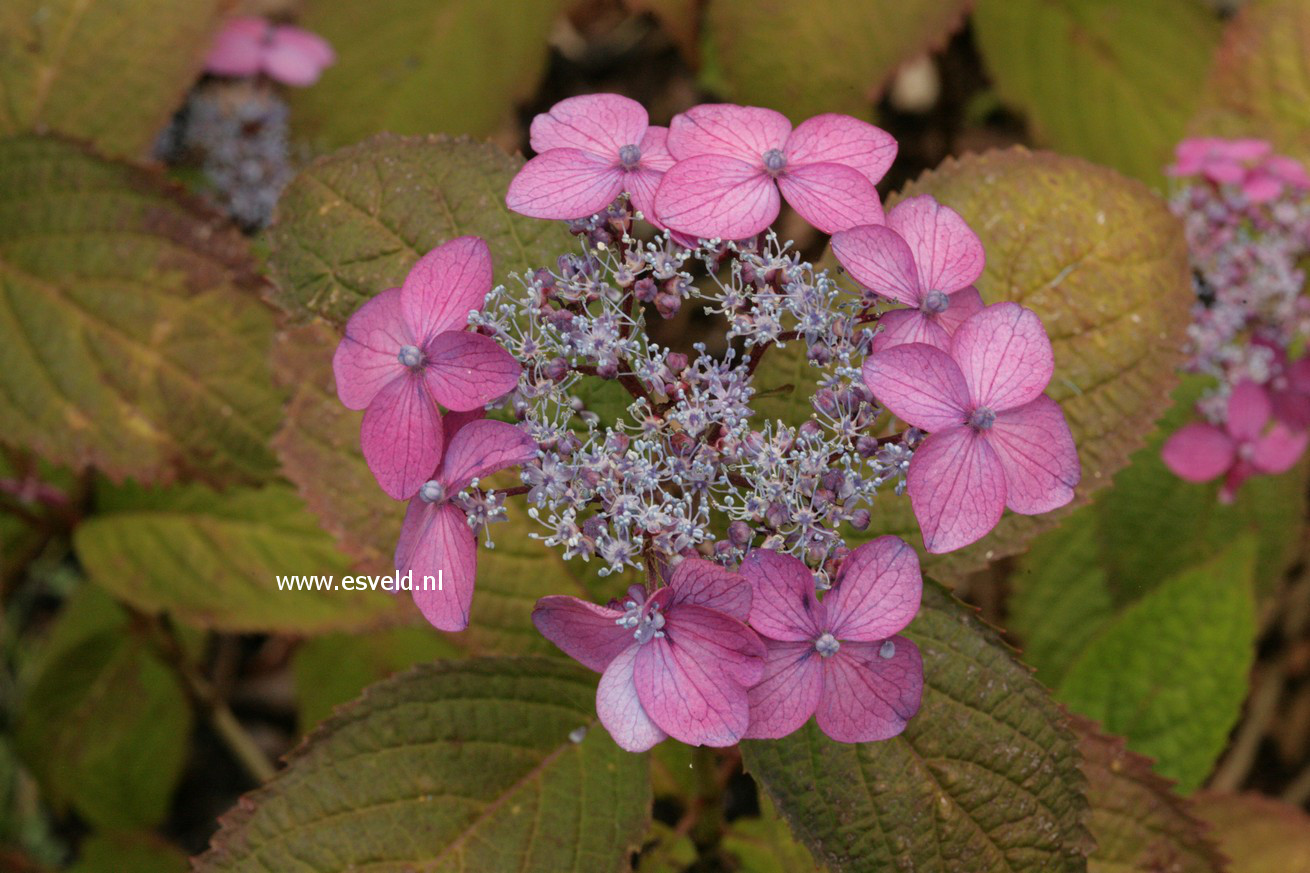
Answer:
(171, 441)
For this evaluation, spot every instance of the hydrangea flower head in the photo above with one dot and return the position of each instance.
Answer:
(1245, 446)
(839, 658)
(732, 162)
(406, 350)
(435, 539)
(995, 439)
(249, 46)
(1248, 164)
(589, 150)
(926, 257)
(676, 661)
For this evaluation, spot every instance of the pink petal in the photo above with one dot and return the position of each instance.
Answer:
(785, 606)
(742, 132)
(1278, 450)
(466, 370)
(368, 356)
(597, 123)
(641, 184)
(1261, 187)
(904, 326)
(1245, 150)
(703, 583)
(692, 683)
(715, 196)
(831, 197)
(238, 48)
(1239, 473)
(957, 489)
(297, 57)
(401, 437)
(841, 139)
(1198, 452)
(418, 517)
(877, 593)
(1038, 455)
(480, 449)
(565, 184)
(585, 632)
(1249, 410)
(921, 385)
(453, 422)
(446, 551)
(446, 285)
(880, 260)
(655, 154)
(867, 697)
(620, 709)
(961, 305)
(789, 691)
(1005, 356)
(948, 252)
(1289, 170)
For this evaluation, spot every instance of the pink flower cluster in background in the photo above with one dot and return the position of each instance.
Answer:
(1246, 212)
(253, 46)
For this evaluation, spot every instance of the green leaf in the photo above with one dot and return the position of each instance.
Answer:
(1257, 833)
(212, 560)
(984, 778)
(128, 853)
(130, 334)
(765, 844)
(1114, 81)
(335, 668)
(1260, 84)
(415, 66)
(107, 71)
(1103, 262)
(353, 223)
(1169, 672)
(116, 765)
(821, 56)
(665, 851)
(1137, 820)
(462, 765)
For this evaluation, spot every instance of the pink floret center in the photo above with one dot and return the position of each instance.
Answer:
(982, 418)
(935, 302)
(629, 156)
(827, 645)
(774, 161)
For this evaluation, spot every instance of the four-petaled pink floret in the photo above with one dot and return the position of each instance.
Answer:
(589, 150)
(840, 658)
(250, 46)
(407, 350)
(732, 162)
(995, 439)
(1248, 164)
(1245, 446)
(926, 257)
(676, 661)
(435, 540)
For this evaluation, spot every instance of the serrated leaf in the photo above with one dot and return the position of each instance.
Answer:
(1137, 820)
(1103, 262)
(353, 223)
(107, 71)
(1114, 81)
(1169, 672)
(415, 66)
(1257, 833)
(212, 560)
(116, 765)
(1260, 84)
(333, 669)
(452, 766)
(822, 56)
(984, 778)
(131, 338)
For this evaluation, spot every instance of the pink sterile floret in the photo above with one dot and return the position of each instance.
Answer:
(1244, 447)
(733, 160)
(407, 350)
(1247, 163)
(589, 150)
(995, 439)
(435, 539)
(676, 661)
(840, 657)
(250, 46)
(925, 257)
